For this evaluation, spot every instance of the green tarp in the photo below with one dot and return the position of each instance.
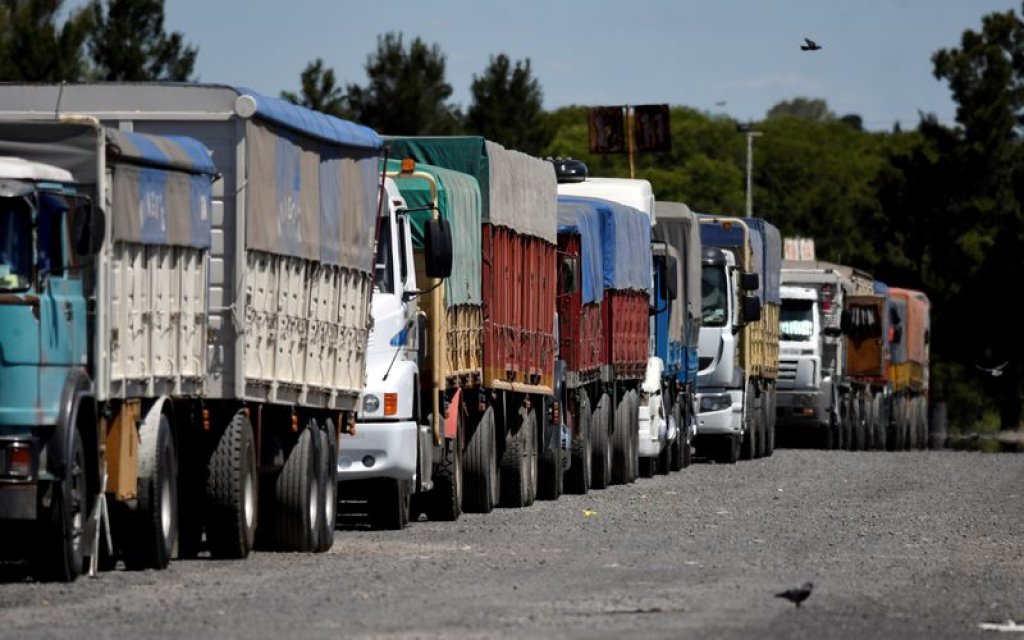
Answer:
(459, 202)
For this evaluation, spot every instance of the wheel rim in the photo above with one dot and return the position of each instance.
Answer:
(249, 498)
(77, 501)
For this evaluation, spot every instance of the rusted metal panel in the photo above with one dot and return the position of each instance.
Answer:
(625, 321)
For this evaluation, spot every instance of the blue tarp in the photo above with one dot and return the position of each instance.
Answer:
(162, 189)
(767, 261)
(313, 123)
(580, 217)
(625, 244)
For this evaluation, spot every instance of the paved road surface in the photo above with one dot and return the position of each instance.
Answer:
(919, 544)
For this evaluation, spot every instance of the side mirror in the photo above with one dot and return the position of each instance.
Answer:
(671, 278)
(88, 228)
(570, 282)
(437, 241)
(751, 309)
(750, 281)
(832, 332)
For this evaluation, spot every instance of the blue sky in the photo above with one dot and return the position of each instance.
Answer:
(745, 53)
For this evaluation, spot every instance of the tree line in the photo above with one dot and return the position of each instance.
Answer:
(932, 207)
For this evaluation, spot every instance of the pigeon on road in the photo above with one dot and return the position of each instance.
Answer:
(796, 595)
(996, 371)
(809, 45)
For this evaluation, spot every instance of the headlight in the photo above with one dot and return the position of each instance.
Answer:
(371, 404)
(715, 403)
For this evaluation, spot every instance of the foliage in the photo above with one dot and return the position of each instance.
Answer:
(320, 91)
(507, 106)
(34, 48)
(129, 44)
(407, 93)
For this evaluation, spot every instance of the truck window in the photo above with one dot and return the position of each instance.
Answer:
(714, 296)
(383, 273)
(15, 245)
(796, 320)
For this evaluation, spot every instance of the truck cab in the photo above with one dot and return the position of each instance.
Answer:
(803, 385)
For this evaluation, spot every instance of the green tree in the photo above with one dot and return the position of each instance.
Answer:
(986, 77)
(507, 106)
(35, 48)
(320, 91)
(407, 93)
(814, 109)
(129, 43)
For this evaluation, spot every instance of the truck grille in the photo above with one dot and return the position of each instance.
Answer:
(787, 374)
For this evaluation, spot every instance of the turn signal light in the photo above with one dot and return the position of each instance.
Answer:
(408, 165)
(390, 404)
(19, 460)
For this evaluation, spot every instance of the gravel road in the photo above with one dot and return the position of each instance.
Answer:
(899, 545)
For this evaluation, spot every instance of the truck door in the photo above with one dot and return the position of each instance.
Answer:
(863, 324)
(62, 313)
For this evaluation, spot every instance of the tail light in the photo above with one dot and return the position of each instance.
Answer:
(556, 412)
(826, 297)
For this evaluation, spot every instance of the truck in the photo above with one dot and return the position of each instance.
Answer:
(909, 339)
(480, 374)
(818, 400)
(215, 339)
(668, 406)
(739, 337)
(626, 211)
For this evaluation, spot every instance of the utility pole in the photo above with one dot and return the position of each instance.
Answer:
(748, 129)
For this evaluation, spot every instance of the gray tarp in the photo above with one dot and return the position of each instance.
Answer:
(678, 226)
(310, 199)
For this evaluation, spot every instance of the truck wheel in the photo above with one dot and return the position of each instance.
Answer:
(634, 435)
(577, 479)
(687, 453)
(620, 442)
(769, 424)
(532, 440)
(444, 502)
(748, 446)
(760, 444)
(298, 501)
(675, 458)
(856, 426)
(729, 449)
(664, 459)
(329, 485)
(515, 462)
(154, 534)
(391, 504)
(481, 467)
(59, 551)
(550, 481)
(601, 457)
(231, 492)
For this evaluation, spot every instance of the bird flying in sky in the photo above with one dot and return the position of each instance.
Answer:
(796, 595)
(809, 45)
(995, 371)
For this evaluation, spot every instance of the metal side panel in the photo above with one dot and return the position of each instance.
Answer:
(157, 319)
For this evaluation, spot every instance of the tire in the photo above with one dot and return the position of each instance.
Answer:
(60, 543)
(827, 437)
(154, 525)
(856, 426)
(677, 453)
(761, 445)
(391, 503)
(601, 449)
(515, 462)
(634, 435)
(578, 477)
(620, 442)
(328, 486)
(297, 521)
(769, 422)
(232, 492)
(531, 457)
(550, 470)
(748, 446)
(444, 502)
(480, 467)
(729, 449)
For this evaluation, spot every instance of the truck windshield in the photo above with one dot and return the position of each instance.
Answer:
(796, 320)
(384, 281)
(714, 294)
(15, 245)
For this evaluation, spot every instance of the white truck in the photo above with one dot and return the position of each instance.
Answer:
(219, 378)
(815, 393)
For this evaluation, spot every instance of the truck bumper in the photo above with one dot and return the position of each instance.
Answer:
(801, 410)
(721, 422)
(378, 450)
(651, 441)
(18, 500)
